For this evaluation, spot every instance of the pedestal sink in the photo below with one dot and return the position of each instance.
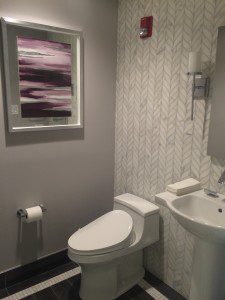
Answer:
(204, 217)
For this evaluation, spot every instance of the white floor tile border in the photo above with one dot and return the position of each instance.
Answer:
(151, 290)
(43, 285)
(54, 280)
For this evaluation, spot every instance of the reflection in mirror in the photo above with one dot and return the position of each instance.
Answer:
(216, 141)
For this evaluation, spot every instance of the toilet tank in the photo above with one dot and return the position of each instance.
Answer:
(145, 217)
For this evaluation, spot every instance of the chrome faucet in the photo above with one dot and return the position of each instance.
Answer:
(213, 193)
(222, 178)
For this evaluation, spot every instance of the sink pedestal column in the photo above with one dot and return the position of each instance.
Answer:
(208, 276)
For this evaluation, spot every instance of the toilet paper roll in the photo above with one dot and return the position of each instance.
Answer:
(34, 214)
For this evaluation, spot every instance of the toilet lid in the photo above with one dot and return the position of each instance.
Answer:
(110, 232)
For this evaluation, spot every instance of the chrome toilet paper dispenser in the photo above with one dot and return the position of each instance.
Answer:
(22, 213)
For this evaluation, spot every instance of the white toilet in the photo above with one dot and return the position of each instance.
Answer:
(110, 249)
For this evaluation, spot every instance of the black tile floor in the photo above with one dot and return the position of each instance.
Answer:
(63, 283)
(33, 280)
(69, 289)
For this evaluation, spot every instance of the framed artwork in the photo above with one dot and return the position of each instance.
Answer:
(43, 69)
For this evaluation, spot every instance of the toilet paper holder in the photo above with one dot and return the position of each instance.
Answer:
(22, 214)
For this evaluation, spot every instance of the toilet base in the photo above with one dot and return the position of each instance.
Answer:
(107, 281)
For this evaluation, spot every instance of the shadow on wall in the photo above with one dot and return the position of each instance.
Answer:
(37, 137)
(157, 251)
(30, 241)
(34, 137)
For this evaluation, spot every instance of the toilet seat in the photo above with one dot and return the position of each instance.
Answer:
(110, 232)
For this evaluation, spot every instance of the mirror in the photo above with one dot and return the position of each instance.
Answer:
(216, 141)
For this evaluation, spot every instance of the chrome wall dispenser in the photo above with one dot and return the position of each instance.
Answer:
(200, 85)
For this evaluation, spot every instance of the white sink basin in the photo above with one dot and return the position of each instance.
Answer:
(201, 215)
(204, 217)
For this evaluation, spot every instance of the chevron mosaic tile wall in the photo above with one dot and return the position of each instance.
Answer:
(156, 142)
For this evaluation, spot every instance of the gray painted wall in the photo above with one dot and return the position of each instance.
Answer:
(156, 141)
(70, 172)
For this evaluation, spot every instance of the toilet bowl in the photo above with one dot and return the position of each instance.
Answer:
(109, 250)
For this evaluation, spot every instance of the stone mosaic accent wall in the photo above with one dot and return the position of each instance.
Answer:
(156, 141)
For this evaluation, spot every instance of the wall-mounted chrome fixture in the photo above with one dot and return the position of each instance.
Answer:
(200, 86)
(23, 215)
(222, 178)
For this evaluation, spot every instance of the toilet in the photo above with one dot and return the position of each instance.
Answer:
(109, 250)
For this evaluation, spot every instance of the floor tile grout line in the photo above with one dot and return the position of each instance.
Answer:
(43, 285)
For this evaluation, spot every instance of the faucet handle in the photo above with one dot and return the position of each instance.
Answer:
(211, 193)
(222, 178)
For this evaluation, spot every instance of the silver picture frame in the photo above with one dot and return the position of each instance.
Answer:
(11, 28)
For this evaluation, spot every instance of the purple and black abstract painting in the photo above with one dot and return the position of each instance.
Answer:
(45, 81)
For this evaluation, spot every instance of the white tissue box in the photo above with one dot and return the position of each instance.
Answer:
(184, 187)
